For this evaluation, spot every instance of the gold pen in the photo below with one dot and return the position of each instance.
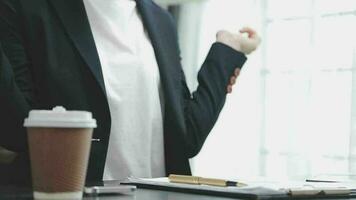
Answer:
(203, 181)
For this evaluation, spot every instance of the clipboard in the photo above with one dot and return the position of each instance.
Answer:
(253, 193)
(249, 192)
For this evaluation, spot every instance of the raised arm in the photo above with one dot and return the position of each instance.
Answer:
(216, 77)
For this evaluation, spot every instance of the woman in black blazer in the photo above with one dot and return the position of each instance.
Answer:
(53, 61)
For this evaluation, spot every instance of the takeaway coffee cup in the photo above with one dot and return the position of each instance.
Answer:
(59, 143)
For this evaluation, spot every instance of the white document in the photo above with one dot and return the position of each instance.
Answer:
(258, 188)
(257, 191)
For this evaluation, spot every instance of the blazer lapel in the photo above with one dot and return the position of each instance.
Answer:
(74, 18)
(167, 56)
(162, 42)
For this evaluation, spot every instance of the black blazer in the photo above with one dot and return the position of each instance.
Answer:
(49, 58)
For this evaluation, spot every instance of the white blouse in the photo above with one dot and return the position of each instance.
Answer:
(133, 88)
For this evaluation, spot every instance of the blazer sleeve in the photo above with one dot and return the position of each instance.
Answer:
(16, 86)
(203, 107)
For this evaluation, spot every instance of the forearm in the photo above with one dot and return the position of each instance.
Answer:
(203, 109)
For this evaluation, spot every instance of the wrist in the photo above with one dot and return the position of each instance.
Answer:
(235, 46)
(228, 39)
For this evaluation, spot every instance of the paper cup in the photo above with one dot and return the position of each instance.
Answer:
(59, 143)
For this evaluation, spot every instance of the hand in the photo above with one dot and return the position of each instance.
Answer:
(233, 80)
(239, 42)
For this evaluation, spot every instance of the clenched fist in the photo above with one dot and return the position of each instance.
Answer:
(239, 42)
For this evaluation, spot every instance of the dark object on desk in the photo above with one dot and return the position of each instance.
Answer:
(320, 181)
(333, 178)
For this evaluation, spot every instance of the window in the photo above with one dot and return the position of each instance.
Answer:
(308, 78)
(293, 111)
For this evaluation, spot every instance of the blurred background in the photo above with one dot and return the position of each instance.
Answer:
(292, 114)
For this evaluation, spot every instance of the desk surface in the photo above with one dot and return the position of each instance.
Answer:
(141, 194)
(12, 193)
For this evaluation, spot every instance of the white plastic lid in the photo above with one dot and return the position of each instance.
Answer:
(59, 117)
